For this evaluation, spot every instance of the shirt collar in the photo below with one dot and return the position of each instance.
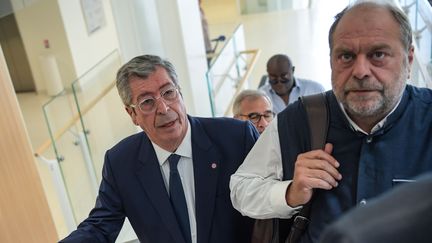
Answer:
(296, 84)
(375, 128)
(184, 149)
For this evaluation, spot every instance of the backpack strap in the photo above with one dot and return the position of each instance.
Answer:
(318, 119)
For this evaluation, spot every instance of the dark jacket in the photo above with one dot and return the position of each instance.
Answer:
(132, 186)
(369, 164)
(403, 215)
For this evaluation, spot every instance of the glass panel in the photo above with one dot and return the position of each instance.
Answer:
(420, 15)
(64, 127)
(93, 93)
(104, 121)
(82, 126)
(226, 71)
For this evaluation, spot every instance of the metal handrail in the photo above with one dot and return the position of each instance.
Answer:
(73, 120)
(250, 67)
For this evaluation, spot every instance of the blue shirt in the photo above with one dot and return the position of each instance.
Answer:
(301, 87)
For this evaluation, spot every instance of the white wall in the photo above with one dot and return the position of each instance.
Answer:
(39, 21)
(182, 38)
(171, 29)
(62, 23)
(137, 27)
(87, 49)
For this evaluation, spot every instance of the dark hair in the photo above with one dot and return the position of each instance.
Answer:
(279, 58)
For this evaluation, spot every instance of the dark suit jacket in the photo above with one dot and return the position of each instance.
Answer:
(132, 186)
(403, 215)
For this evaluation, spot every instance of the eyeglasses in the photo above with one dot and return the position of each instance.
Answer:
(148, 104)
(283, 78)
(255, 117)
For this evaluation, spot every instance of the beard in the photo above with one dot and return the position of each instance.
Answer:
(376, 104)
(365, 105)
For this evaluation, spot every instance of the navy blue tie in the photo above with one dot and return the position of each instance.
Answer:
(177, 197)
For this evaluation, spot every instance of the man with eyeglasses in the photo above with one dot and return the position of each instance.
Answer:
(255, 106)
(282, 87)
(172, 179)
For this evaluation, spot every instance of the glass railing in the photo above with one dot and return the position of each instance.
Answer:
(229, 71)
(420, 16)
(262, 6)
(103, 118)
(57, 153)
(82, 126)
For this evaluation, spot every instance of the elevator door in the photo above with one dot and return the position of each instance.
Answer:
(15, 55)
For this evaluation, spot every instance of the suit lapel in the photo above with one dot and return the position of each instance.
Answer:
(206, 162)
(149, 174)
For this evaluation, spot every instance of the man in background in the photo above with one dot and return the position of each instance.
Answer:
(255, 106)
(282, 87)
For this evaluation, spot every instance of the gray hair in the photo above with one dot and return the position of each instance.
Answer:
(400, 17)
(141, 67)
(250, 95)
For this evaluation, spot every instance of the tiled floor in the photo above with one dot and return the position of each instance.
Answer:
(299, 33)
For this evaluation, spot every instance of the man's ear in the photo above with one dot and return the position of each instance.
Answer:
(410, 59)
(132, 114)
(411, 55)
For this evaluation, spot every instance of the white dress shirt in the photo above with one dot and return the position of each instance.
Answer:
(257, 188)
(185, 168)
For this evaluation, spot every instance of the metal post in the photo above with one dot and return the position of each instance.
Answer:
(60, 188)
(82, 142)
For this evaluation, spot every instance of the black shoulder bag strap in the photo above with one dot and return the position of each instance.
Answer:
(318, 119)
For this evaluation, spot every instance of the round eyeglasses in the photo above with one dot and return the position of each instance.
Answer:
(148, 104)
(255, 117)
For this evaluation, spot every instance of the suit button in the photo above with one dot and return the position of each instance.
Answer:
(369, 139)
(362, 202)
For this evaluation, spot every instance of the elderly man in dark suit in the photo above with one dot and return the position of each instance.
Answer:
(171, 180)
(403, 215)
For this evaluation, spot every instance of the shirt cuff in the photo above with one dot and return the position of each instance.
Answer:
(278, 200)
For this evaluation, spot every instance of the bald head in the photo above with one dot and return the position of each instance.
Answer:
(279, 60)
(280, 72)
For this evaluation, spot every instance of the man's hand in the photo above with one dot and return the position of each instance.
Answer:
(314, 169)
